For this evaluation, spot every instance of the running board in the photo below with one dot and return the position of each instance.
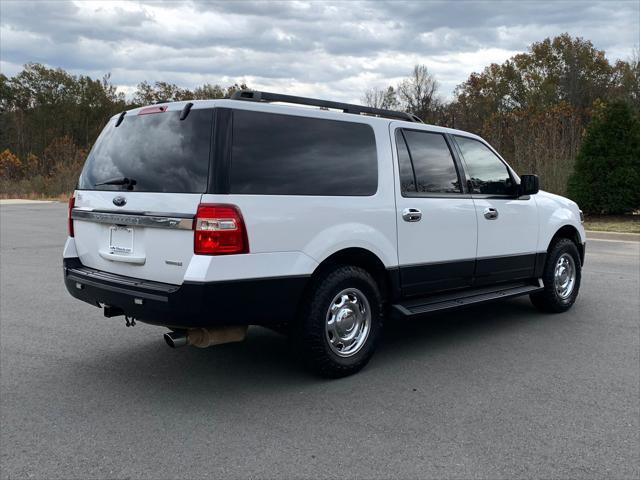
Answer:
(448, 301)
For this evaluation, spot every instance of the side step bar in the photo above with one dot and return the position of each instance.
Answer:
(449, 301)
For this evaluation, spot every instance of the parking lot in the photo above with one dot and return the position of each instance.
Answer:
(498, 391)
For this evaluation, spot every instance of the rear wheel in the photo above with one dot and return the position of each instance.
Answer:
(341, 322)
(562, 275)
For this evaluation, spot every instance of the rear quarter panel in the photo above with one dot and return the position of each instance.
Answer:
(308, 229)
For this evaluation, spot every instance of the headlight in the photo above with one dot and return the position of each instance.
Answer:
(581, 217)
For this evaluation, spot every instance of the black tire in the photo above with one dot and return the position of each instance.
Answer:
(310, 335)
(548, 300)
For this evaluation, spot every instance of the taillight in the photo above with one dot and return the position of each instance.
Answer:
(72, 202)
(219, 230)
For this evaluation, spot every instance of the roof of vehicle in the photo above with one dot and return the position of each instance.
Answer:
(308, 107)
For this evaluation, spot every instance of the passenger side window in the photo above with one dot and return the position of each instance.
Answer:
(434, 170)
(488, 174)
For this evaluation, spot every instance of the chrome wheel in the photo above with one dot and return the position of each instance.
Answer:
(564, 276)
(348, 322)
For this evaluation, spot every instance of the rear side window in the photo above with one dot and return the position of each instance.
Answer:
(160, 152)
(488, 174)
(407, 176)
(288, 155)
(433, 164)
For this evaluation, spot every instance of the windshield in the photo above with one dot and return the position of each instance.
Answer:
(151, 153)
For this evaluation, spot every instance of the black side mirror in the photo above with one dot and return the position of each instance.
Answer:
(529, 185)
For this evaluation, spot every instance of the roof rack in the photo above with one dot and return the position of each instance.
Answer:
(256, 96)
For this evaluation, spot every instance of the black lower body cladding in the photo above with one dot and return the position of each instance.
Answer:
(263, 301)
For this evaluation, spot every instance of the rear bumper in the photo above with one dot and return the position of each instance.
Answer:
(263, 301)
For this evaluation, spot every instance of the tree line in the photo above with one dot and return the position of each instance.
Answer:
(534, 108)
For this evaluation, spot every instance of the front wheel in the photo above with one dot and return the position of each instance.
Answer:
(561, 277)
(340, 322)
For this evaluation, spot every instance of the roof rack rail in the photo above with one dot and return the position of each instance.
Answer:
(256, 96)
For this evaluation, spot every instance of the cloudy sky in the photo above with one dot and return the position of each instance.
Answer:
(328, 49)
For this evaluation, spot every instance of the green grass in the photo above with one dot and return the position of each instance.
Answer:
(613, 223)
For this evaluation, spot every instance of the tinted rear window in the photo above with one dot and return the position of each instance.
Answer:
(287, 155)
(159, 151)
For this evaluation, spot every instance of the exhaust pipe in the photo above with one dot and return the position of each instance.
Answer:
(206, 337)
(176, 339)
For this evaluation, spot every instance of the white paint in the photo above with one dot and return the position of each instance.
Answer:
(151, 246)
(448, 228)
(70, 248)
(514, 232)
(292, 235)
(554, 212)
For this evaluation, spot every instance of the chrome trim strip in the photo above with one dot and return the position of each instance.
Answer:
(153, 221)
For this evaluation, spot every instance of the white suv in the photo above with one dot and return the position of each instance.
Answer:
(209, 216)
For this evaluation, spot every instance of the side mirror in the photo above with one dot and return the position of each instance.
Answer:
(529, 185)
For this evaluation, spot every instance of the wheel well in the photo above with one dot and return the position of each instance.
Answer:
(364, 259)
(571, 233)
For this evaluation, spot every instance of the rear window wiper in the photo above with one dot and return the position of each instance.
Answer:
(130, 182)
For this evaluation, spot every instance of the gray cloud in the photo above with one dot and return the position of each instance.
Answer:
(336, 49)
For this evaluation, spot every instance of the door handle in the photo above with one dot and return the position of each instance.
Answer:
(490, 213)
(411, 215)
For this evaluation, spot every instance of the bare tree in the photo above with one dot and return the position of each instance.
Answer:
(633, 80)
(381, 98)
(418, 93)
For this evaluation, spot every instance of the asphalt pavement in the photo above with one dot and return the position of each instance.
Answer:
(496, 391)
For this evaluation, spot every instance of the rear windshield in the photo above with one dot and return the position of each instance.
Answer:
(155, 153)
